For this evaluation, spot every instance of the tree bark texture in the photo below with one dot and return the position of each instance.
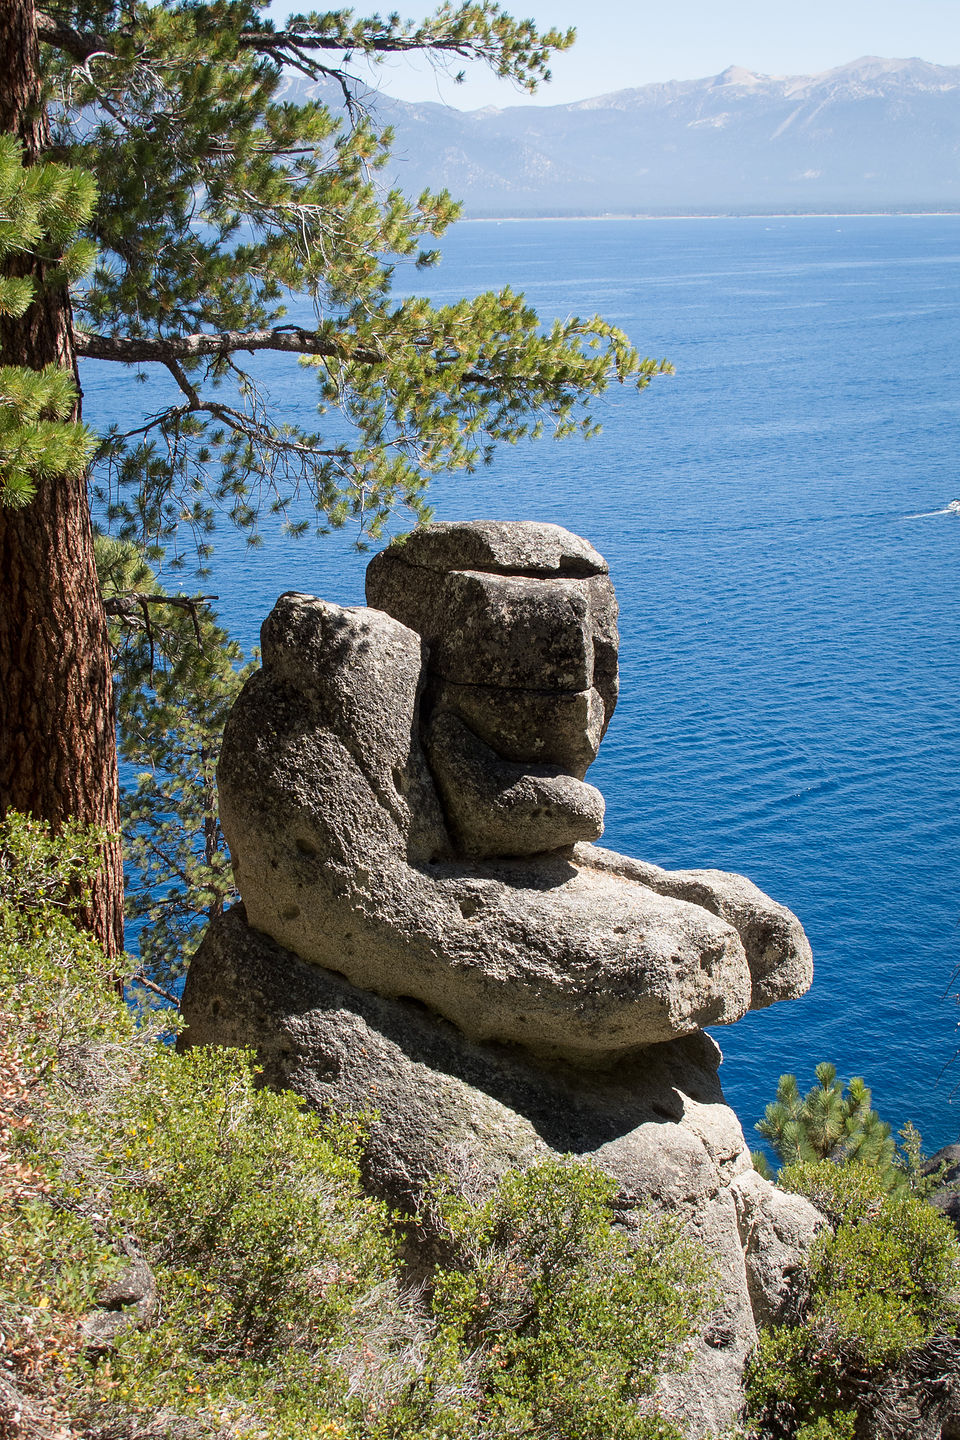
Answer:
(58, 752)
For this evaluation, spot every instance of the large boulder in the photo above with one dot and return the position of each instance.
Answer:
(343, 854)
(438, 1103)
(430, 937)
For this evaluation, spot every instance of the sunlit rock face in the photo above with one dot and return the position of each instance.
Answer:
(429, 936)
(401, 788)
(521, 627)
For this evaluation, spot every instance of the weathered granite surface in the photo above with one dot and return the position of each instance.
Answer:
(428, 933)
(520, 622)
(402, 849)
(441, 1103)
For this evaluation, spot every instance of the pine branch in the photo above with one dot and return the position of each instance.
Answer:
(123, 606)
(512, 49)
(286, 47)
(81, 45)
(178, 373)
(262, 432)
(385, 43)
(133, 608)
(289, 339)
(139, 978)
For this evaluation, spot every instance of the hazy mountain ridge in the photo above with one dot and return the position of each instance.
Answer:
(872, 135)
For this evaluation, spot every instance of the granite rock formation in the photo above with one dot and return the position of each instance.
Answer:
(444, 1104)
(428, 930)
(388, 820)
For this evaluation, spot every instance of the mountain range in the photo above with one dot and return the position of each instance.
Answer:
(874, 135)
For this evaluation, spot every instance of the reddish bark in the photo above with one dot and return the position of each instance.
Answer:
(58, 754)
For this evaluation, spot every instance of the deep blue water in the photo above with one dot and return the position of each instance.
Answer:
(790, 667)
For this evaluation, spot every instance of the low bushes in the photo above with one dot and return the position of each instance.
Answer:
(880, 1285)
(283, 1307)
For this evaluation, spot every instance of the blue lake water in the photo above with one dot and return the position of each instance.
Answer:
(790, 668)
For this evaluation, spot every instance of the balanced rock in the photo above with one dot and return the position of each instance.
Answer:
(428, 933)
(375, 833)
(520, 622)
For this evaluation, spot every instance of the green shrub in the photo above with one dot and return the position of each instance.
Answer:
(58, 1009)
(841, 1425)
(880, 1283)
(284, 1307)
(270, 1258)
(569, 1319)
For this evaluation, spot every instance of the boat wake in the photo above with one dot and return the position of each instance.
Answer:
(951, 508)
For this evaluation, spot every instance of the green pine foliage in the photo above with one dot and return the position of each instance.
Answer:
(285, 1307)
(219, 199)
(37, 437)
(881, 1283)
(177, 674)
(835, 1122)
(42, 210)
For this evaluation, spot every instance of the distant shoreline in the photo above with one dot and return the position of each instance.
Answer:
(724, 215)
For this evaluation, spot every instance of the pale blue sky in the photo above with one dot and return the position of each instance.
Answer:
(622, 43)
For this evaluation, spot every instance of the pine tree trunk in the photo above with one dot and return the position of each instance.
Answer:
(58, 753)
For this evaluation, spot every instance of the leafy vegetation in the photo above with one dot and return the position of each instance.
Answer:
(42, 209)
(880, 1284)
(837, 1122)
(545, 1295)
(877, 1299)
(284, 1307)
(176, 675)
